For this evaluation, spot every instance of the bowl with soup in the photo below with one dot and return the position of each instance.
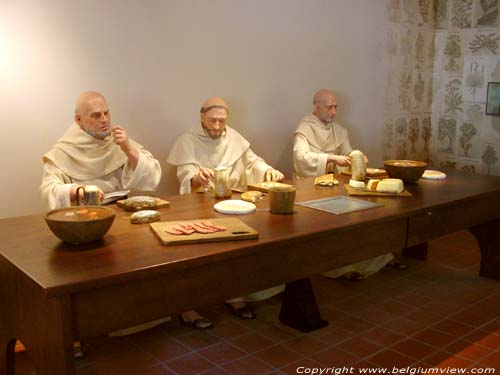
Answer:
(80, 224)
(406, 170)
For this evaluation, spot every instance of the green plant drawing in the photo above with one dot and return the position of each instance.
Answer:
(419, 51)
(462, 14)
(392, 45)
(474, 113)
(474, 79)
(426, 132)
(423, 7)
(484, 42)
(401, 150)
(430, 94)
(413, 133)
(468, 168)
(489, 13)
(446, 133)
(448, 164)
(453, 51)
(401, 128)
(418, 90)
(410, 10)
(404, 91)
(405, 47)
(468, 131)
(453, 97)
(441, 13)
(387, 143)
(489, 157)
(393, 10)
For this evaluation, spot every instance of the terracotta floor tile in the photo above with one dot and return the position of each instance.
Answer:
(353, 324)
(452, 328)
(403, 326)
(376, 316)
(336, 335)
(414, 300)
(455, 362)
(493, 360)
(291, 369)
(383, 336)
(252, 342)
(490, 341)
(215, 371)
(389, 358)
(278, 356)
(395, 307)
(190, 364)
(414, 349)
(278, 334)
(248, 366)
(305, 345)
(468, 350)
(359, 347)
(131, 361)
(221, 353)
(335, 357)
(439, 356)
(165, 349)
(198, 339)
(493, 326)
(155, 370)
(435, 338)
(229, 329)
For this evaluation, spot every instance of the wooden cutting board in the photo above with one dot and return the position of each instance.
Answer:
(160, 203)
(353, 191)
(264, 186)
(235, 230)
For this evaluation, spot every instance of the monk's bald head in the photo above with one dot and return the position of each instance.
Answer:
(213, 116)
(85, 98)
(325, 105)
(213, 102)
(92, 114)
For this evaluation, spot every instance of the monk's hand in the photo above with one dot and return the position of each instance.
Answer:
(340, 160)
(202, 178)
(121, 139)
(273, 175)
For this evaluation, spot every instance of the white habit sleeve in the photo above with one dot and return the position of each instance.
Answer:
(307, 162)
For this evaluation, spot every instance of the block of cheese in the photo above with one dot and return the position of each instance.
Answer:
(372, 184)
(357, 184)
(390, 185)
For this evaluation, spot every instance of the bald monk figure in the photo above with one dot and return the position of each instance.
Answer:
(197, 153)
(321, 146)
(93, 152)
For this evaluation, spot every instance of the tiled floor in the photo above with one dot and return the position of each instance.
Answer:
(438, 313)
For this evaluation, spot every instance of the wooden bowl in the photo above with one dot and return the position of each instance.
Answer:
(406, 170)
(80, 224)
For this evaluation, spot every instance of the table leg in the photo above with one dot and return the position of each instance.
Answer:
(7, 356)
(417, 252)
(299, 309)
(488, 238)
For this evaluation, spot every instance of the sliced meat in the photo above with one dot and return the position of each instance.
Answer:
(173, 230)
(210, 225)
(220, 228)
(201, 229)
(200, 224)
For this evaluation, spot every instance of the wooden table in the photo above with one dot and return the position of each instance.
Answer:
(53, 293)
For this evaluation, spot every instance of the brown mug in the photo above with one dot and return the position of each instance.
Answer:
(281, 199)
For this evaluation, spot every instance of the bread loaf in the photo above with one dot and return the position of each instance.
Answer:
(357, 184)
(145, 216)
(390, 185)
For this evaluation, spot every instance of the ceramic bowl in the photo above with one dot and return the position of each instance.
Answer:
(80, 224)
(406, 170)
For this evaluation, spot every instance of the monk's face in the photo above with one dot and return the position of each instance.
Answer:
(326, 108)
(94, 117)
(214, 122)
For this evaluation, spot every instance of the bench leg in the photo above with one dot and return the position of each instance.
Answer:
(416, 252)
(299, 309)
(488, 238)
(7, 356)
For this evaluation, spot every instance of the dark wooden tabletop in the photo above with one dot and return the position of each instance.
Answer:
(131, 251)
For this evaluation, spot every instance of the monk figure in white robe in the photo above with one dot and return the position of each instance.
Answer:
(92, 152)
(197, 153)
(322, 146)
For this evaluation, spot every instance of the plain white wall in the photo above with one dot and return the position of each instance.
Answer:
(157, 61)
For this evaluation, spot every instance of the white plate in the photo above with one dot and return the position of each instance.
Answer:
(433, 175)
(234, 207)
